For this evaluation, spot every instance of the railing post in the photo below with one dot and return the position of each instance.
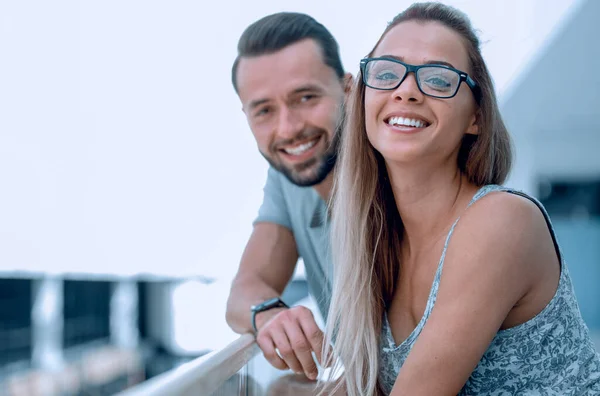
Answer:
(47, 323)
(124, 306)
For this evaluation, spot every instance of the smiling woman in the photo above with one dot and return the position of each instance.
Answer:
(425, 304)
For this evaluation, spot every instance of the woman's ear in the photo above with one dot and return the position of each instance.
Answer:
(473, 128)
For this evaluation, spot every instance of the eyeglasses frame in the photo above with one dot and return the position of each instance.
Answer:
(414, 69)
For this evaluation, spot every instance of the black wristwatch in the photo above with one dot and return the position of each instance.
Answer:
(265, 306)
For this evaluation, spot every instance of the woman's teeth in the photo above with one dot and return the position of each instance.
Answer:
(411, 122)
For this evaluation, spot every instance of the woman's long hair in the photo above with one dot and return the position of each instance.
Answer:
(366, 226)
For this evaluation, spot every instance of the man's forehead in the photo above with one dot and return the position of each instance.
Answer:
(285, 70)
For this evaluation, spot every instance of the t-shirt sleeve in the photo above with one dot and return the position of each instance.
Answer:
(274, 208)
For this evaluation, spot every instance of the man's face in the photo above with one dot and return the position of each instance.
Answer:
(293, 102)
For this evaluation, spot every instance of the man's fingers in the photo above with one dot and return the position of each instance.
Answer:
(330, 353)
(313, 334)
(289, 339)
(285, 349)
(265, 342)
(301, 347)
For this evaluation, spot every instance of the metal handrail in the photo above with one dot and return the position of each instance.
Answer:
(203, 375)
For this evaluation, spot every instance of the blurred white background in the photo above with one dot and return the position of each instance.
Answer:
(123, 148)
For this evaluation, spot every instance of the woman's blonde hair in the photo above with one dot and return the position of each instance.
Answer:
(366, 227)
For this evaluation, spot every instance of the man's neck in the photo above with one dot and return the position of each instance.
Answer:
(324, 188)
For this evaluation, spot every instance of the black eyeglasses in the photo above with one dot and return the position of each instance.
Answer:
(438, 81)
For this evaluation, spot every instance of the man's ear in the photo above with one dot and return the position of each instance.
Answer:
(348, 81)
(473, 128)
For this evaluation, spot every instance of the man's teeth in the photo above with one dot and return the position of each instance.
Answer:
(407, 122)
(300, 148)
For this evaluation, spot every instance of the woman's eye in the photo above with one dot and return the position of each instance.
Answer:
(386, 76)
(438, 83)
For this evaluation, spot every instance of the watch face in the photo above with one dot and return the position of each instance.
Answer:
(268, 304)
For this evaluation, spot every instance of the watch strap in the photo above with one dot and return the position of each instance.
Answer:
(265, 306)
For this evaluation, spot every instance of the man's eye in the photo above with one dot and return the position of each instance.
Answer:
(306, 98)
(262, 112)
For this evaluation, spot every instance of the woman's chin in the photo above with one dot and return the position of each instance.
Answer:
(401, 156)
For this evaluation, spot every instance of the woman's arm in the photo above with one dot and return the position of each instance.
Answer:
(499, 248)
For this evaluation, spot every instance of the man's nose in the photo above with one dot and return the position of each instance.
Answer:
(290, 124)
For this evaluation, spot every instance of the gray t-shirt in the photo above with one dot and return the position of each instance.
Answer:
(304, 212)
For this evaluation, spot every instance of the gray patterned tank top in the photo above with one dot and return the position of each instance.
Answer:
(551, 354)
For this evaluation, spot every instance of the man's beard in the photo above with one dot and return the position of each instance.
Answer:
(321, 166)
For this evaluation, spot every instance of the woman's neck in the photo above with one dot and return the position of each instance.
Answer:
(428, 200)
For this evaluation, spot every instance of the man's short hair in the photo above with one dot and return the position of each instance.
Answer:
(276, 31)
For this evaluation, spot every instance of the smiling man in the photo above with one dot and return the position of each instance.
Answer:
(290, 80)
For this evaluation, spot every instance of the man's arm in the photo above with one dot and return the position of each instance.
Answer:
(286, 336)
(266, 267)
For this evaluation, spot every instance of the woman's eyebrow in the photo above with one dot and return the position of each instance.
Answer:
(427, 62)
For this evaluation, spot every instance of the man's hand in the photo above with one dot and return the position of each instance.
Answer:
(295, 334)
